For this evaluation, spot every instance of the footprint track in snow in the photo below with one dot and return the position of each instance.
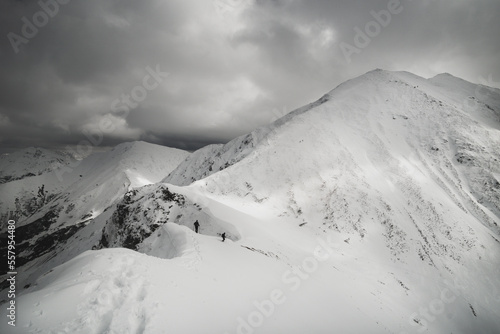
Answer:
(114, 302)
(191, 257)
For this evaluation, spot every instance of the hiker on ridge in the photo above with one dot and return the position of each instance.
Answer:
(196, 226)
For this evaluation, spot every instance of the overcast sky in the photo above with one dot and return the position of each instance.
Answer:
(186, 73)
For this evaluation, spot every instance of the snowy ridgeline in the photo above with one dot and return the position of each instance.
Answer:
(71, 195)
(375, 209)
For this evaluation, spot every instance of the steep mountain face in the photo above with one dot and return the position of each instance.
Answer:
(16, 199)
(375, 209)
(376, 136)
(50, 207)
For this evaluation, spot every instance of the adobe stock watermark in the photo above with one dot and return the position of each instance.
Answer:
(228, 12)
(228, 7)
(429, 313)
(373, 28)
(139, 93)
(30, 28)
(293, 279)
(122, 105)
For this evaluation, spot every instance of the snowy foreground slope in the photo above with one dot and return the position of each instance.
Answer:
(375, 209)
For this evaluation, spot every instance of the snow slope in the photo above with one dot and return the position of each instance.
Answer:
(373, 210)
(30, 162)
(75, 195)
(16, 168)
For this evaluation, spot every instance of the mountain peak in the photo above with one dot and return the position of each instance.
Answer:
(126, 146)
(374, 77)
(141, 145)
(451, 81)
(444, 75)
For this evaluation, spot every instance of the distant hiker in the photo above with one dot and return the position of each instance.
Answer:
(196, 225)
(223, 235)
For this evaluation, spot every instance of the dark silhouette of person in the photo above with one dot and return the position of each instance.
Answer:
(223, 235)
(196, 225)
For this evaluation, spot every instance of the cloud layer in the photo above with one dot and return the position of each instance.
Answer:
(223, 67)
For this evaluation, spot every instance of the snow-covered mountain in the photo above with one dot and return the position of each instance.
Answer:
(31, 162)
(49, 207)
(375, 209)
(128, 165)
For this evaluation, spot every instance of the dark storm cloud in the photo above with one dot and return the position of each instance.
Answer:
(227, 66)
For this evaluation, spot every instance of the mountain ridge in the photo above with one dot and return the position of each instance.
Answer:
(51, 207)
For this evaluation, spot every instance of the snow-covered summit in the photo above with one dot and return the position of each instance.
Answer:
(379, 96)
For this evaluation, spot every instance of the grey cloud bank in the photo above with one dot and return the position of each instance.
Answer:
(68, 66)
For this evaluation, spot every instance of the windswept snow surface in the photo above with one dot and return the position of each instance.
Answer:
(375, 209)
